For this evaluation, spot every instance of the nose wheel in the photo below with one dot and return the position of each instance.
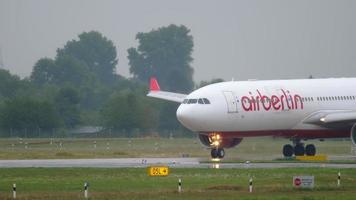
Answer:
(217, 153)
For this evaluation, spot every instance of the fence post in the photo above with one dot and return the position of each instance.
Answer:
(179, 185)
(14, 191)
(338, 179)
(86, 190)
(250, 185)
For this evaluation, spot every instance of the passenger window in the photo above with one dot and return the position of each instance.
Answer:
(200, 101)
(206, 101)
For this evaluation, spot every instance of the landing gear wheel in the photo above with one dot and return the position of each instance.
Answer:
(310, 150)
(299, 150)
(214, 153)
(288, 150)
(221, 153)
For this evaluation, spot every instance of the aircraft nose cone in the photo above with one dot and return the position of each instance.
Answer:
(183, 116)
(180, 114)
(187, 116)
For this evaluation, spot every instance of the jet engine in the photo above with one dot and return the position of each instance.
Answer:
(353, 134)
(223, 142)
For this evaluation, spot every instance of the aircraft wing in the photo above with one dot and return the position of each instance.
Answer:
(332, 117)
(156, 92)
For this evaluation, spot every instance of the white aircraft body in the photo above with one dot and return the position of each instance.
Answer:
(224, 113)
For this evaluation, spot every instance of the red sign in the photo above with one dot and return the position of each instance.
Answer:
(303, 181)
(297, 182)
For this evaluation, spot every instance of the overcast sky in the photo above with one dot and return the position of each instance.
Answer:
(275, 39)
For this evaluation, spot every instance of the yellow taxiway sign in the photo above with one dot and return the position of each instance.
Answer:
(158, 171)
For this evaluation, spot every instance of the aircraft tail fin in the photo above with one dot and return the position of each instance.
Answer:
(154, 86)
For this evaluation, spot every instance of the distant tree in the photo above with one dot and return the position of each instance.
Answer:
(9, 84)
(167, 116)
(26, 113)
(205, 83)
(166, 54)
(96, 51)
(43, 71)
(67, 103)
(70, 70)
(128, 111)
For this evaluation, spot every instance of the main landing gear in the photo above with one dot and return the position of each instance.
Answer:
(298, 149)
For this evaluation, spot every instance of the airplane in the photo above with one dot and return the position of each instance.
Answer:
(224, 113)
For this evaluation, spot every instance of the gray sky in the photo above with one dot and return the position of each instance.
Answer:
(273, 39)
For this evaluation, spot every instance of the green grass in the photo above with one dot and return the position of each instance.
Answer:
(133, 183)
(254, 149)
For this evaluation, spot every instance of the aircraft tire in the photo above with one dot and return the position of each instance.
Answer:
(299, 150)
(288, 150)
(221, 153)
(214, 153)
(310, 150)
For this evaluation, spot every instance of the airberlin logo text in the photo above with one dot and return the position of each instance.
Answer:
(285, 101)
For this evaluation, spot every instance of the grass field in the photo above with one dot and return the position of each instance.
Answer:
(133, 183)
(249, 149)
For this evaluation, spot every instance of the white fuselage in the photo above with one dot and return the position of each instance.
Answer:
(252, 108)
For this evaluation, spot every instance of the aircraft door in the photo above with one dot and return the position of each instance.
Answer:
(230, 101)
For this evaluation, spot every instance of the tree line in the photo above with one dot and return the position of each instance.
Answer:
(80, 87)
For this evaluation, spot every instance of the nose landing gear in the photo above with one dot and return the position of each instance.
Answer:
(217, 153)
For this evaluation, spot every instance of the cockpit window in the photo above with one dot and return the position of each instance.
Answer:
(206, 101)
(192, 101)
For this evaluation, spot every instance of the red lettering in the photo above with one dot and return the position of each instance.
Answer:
(291, 99)
(265, 99)
(297, 99)
(258, 102)
(282, 102)
(252, 103)
(286, 98)
(244, 100)
(275, 102)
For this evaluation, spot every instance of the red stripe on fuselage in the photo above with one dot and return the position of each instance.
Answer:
(303, 134)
